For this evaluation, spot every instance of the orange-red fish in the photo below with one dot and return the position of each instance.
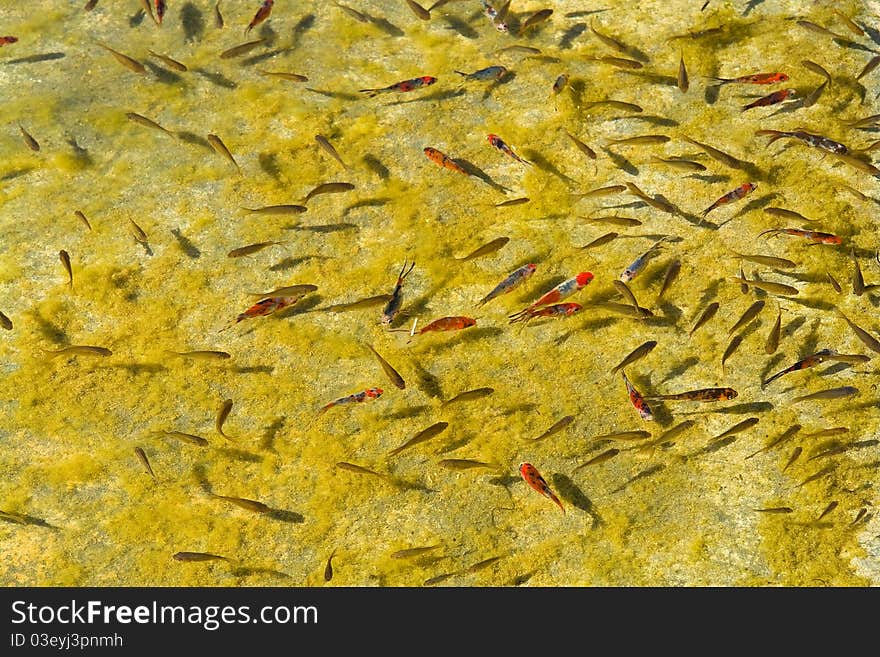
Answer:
(498, 143)
(638, 401)
(755, 78)
(771, 99)
(261, 15)
(405, 85)
(814, 236)
(455, 323)
(556, 310)
(369, 393)
(736, 194)
(7, 39)
(534, 479)
(438, 157)
(160, 10)
(558, 293)
(264, 307)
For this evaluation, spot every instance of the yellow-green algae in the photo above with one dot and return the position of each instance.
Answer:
(69, 425)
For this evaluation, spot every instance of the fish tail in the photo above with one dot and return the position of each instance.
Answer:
(719, 82)
(370, 92)
(462, 74)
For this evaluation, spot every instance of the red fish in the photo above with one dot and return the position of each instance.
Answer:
(443, 160)
(498, 143)
(534, 479)
(556, 310)
(445, 324)
(160, 10)
(638, 401)
(771, 99)
(369, 393)
(736, 194)
(264, 307)
(405, 85)
(558, 293)
(261, 15)
(7, 39)
(814, 236)
(755, 78)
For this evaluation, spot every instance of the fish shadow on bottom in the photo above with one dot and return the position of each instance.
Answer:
(240, 455)
(427, 382)
(284, 515)
(163, 75)
(681, 368)
(254, 369)
(269, 164)
(290, 263)
(271, 433)
(324, 229)
(571, 493)
(408, 412)
(461, 27)
(589, 325)
(193, 22)
(193, 138)
(468, 336)
(246, 571)
(301, 307)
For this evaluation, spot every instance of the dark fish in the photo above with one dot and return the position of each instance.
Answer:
(785, 435)
(125, 60)
(358, 469)
(79, 350)
(250, 249)
(137, 231)
(770, 261)
(464, 464)
(582, 147)
(739, 427)
(616, 104)
(831, 393)
(414, 552)
(610, 41)
(620, 62)
(828, 509)
(834, 282)
(142, 457)
(858, 282)
(203, 355)
(558, 426)
(329, 188)
(284, 75)
(599, 241)
(5, 322)
(288, 291)
(795, 455)
(538, 17)
(773, 337)
(222, 414)
(775, 509)
(390, 372)
(82, 218)
(199, 556)
(486, 249)
(512, 202)
(369, 302)
(324, 143)
(639, 352)
(671, 274)
(328, 569)
(418, 10)
(768, 286)
(602, 191)
(679, 163)
(731, 347)
(707, 314)
(29, 141)
(64, 256)
(470, 395)
(480, 565)
(171, 63)
(750, 314)
(622, 435)
(144, 121)
(600, 458)
(682, 80)
(640, 140)
(278, 209)
(241, 49)
(218, 145)
(721, 156)
(244, 503)
(218, 17)
(423, 435)
(867, 339)
(703, 394)
(786, 214)
(614, 220)
(870, 66)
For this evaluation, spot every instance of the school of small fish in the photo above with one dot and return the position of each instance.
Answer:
(516, 257)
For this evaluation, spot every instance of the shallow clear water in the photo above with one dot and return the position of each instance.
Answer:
(79, 505)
